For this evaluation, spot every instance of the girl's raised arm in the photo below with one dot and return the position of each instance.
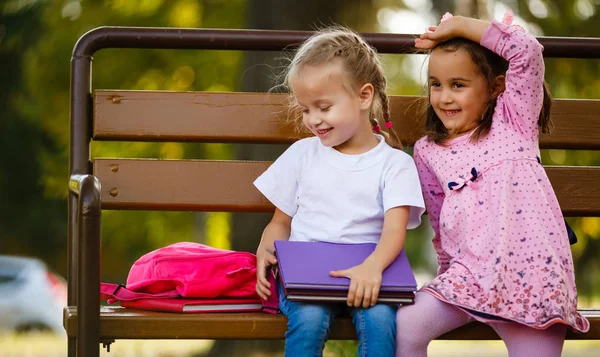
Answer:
(522, 100)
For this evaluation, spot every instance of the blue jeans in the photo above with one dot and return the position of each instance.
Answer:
(309, 325)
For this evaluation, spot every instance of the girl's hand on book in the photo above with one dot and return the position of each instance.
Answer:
(365, 281)
(264, 259)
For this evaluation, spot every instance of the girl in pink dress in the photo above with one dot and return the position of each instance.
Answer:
(503, 251)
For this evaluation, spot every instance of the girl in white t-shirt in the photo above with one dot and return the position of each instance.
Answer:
(344, 184)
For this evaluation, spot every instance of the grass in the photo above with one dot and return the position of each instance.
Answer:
(48, 345)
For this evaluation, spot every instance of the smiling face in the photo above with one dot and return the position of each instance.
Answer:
(334, 112)
(458, 93)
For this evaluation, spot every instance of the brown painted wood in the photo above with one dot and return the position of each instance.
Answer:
(227, 185)
(181, 185)
(577, 189)
(260, 117)
(121, 323)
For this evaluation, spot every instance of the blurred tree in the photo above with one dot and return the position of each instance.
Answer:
(25, 145)
(36, 41)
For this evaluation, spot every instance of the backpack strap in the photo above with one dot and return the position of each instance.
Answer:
(114, 292)
(271, 305)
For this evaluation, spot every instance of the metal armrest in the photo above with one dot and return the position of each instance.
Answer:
(87, 189)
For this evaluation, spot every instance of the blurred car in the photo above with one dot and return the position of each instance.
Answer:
(31, 297)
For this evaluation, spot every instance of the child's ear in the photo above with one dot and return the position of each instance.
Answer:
(498, 85)
(365, 95)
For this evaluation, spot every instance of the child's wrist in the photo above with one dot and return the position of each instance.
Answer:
(459, 23)
(374, 263)
(471, 29)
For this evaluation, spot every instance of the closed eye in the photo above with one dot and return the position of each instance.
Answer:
(325, 109)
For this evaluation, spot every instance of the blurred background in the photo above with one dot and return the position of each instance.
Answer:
(36, 41)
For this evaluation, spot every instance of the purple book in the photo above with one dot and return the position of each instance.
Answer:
(303, 270)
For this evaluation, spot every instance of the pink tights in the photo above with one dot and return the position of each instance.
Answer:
(429, 318)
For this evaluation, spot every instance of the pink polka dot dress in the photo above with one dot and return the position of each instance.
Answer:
(501, 239)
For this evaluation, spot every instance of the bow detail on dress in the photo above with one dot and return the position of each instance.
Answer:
(462, 182)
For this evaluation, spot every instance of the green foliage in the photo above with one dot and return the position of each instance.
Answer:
(36, 42)
(37, 38)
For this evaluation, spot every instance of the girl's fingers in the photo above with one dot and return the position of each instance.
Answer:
(374, 295)
(425, 44)
(261, 278)
(351, 294)
(340, 273)
(358, 297)
(367, 299)
(263, 281)
(263, 291)
(259, 292)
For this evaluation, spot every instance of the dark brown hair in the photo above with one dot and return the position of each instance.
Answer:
(490, 66)
(361, 64)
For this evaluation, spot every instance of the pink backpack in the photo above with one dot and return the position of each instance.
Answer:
(191, 270)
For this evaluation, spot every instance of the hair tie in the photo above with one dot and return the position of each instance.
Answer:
(508, 19)
(377, 128)
(388, 124)
(446, 16)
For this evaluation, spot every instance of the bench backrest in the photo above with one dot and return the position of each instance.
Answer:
(261, 118)
(151, 184)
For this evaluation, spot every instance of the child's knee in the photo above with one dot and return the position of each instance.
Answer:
(378, 321)
(309, 319)
(403, 316)
(407, 323)
(383, 315)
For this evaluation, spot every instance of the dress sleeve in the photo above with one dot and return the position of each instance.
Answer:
(522, 100)
(434, 198)
(279, 183)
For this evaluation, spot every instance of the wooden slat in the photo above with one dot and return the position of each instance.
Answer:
(577, 189)
(181, 185)
(260, 117)
(227, 185)
(121, 323)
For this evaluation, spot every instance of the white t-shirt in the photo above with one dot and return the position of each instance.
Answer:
(334, 197)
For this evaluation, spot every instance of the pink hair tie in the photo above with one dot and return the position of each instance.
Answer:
(388, 124)
(377, 128)
(446, 17)
(508, 19)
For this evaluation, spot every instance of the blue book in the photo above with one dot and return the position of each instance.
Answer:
(304, 267)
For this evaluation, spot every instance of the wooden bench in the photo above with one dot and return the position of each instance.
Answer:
(201, 185)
